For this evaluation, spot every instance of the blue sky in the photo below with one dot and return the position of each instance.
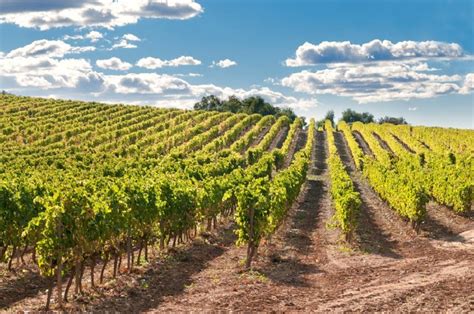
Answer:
(398, 58)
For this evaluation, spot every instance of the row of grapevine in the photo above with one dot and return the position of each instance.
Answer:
(245, 141)
(263, 199)
(255, 153)
(92, 206)
(441, 140)
(232, 135)
(393, 180)
(445, 176)
(346, 200)
(295, 128)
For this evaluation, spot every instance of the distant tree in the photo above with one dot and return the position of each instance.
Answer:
(351, 116)
(233, 104)
(289, 113)
(250, 105)
(211, 102)
(256, 104)
(392, 120)
(329, 116)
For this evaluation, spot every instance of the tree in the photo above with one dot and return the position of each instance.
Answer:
(289, 113)
(256, 104)
(351, 116)
(329, 116)
(250, 105)
(233, 104)
(210, 102)
(392, 120)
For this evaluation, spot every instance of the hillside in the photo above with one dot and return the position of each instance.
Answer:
(135, 208)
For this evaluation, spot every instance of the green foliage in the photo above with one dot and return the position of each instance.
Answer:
(445, 176)
(346, 200)
(263, 201)
(250, 105)
(351, 116)
(392, 120)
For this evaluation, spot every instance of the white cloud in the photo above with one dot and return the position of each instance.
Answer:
(93, 13)
(123, 43)
(131, 37)
(94, 36)
(170, 90)
(375, 50)
(48, 73)
(226, 63)
(50, 48)
(376, 82)
(147, 83)
(41, 65)
(189, 75)
(44, 68)
(113, 63)
(155, 63)
(73, 37)
(412, 108)
(468, 85)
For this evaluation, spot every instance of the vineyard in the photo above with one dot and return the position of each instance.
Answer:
(135, 208)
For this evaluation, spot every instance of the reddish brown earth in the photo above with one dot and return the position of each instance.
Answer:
(279, 139)
(298, 142)
(304, 267)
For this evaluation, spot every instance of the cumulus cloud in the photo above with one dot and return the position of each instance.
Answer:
(45, 68)
(94, 36)
(18, 6)
(50, 48)
(156, 63)
(41, 64)
(382, 81)
(113, 63)
(375, 50)
(226, 63)
(165, 85)
(468, 85)
(93, 13)
(123, 43)
(412, 108)
(48, 73)
(131, 37)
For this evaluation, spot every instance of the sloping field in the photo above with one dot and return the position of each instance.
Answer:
(135, 209)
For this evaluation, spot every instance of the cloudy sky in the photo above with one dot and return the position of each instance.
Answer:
(400, 58)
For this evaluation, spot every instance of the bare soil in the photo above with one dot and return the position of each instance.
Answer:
(408, 148)
(383, 143)
(260, 136)
(279, 139)
(362, 143)
(305, 266)
(298, 142)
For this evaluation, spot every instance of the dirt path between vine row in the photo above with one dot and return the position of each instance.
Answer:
(279, 139)
(305, 267)
(297, 143)
(259, 137)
